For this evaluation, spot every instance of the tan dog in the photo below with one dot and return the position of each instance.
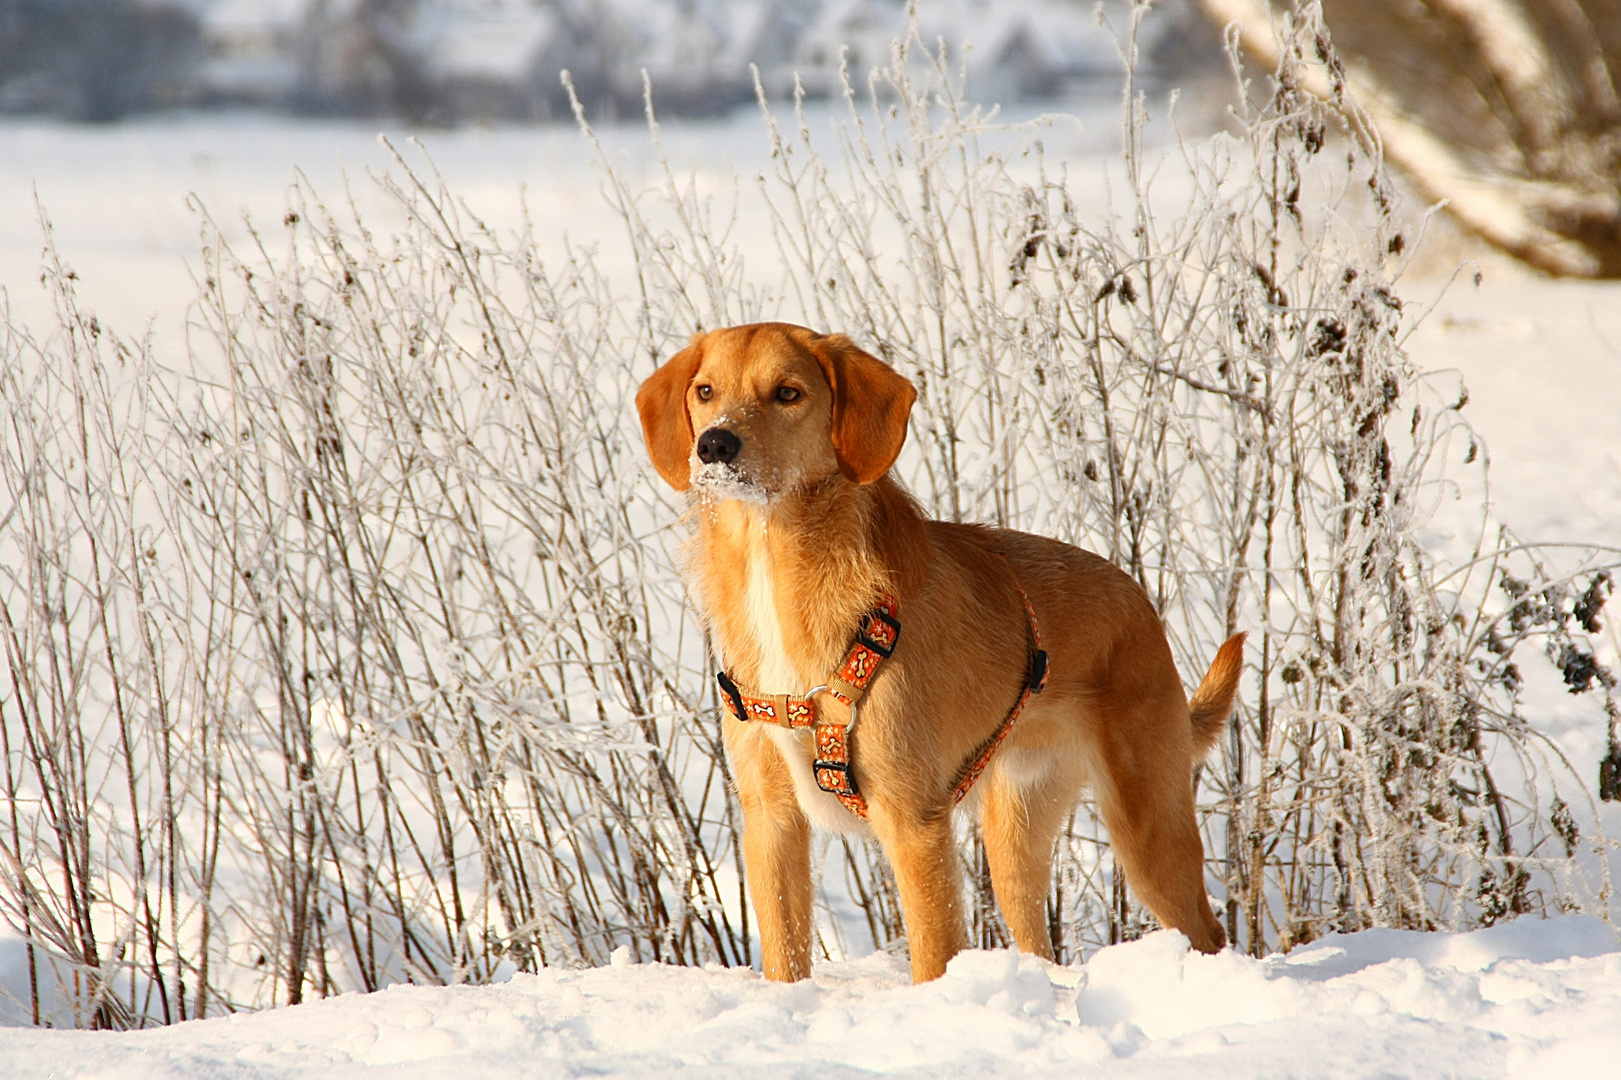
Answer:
(787, 436)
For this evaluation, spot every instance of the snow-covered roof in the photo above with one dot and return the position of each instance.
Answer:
(499, 44)
(855, 16)
(861, 28)
(1061, 38)
(229, 17)
(681, 39)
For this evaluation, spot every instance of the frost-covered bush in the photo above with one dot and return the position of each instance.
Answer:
(356, 652)
(352, 656)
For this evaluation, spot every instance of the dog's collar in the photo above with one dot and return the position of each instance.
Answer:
(875, 641)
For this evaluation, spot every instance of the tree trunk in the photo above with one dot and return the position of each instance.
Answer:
(1506, 109)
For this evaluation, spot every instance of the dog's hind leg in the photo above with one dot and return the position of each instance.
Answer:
(1147, 803)
(1019, 825)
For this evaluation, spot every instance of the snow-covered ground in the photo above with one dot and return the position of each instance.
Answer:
(1524, 1000)
(1542, 361)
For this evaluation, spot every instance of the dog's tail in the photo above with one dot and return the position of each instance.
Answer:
(1212, 703)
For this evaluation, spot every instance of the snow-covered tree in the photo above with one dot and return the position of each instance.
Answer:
(1507, 109)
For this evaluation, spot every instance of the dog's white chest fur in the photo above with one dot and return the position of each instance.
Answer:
(778, 675)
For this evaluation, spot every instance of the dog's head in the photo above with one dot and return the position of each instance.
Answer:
(753, 412)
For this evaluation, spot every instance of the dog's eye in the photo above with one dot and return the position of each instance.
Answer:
(787, 393)
(705, 392)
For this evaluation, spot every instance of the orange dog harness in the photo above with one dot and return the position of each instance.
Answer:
(875, 642)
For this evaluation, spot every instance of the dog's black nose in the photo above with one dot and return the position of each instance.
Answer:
(717, 445)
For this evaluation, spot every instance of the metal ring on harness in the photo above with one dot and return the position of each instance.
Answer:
(824, 688)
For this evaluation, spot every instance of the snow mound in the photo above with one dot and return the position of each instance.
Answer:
(1524, 1000)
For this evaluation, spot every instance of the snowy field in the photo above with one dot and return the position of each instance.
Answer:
(1542, 361)
(1525, 1000)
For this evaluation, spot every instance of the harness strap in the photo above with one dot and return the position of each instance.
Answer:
(1035, 680)
(875, 642)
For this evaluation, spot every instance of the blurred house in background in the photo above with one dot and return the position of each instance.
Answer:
(252, 48)
(1028, 50)
(492, 61)
(456, 61)
(853, 32)
(698, 54)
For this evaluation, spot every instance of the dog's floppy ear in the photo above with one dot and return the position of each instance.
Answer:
(666, 425)
(871, 402)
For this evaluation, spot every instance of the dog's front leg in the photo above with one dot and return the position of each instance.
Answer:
(923, 853)
(776, 852)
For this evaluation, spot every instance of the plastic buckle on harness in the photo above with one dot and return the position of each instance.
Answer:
(879, 632)
(1038, 671)
(831, 764)
(733, 696)
(834, 777)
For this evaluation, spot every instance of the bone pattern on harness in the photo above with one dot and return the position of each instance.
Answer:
(875, 641)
